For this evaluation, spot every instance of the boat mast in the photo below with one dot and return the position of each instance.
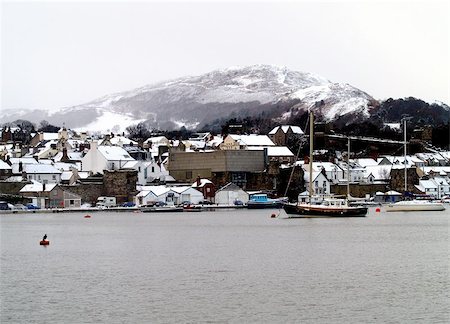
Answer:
(311, 141)
(404, 138)
(348, 169)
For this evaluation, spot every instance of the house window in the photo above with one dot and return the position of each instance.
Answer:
(324, 184)
(153, 169)
(54, 177)
(316, 183)
(112, 165)
(139, 169)
(188, 174)
(39, 177)
(71, 202)
(208, 190)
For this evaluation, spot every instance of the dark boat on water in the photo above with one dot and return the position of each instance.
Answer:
(325, 207)
(328, 208)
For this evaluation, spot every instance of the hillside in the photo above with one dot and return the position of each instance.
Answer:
(194, 101)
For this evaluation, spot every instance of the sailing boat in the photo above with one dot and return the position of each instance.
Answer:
(325, 208)
(415, 204)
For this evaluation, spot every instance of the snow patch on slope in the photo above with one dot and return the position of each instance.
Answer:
(110, 122)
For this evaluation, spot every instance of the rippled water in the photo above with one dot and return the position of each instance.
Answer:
(228, 266)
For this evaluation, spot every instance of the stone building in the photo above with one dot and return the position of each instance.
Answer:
(281, 134)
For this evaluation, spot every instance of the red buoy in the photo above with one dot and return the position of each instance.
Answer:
(377, 209)
(87, 216)
(273, 215)
(44, 242)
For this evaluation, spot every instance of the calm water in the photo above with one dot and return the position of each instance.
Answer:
(226, 267)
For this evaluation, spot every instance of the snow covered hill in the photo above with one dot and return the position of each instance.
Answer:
(197, 100)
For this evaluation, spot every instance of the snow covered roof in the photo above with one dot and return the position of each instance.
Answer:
(284, 129)
(366, 162)
(41, 169)
(4, 165)
(37, 187)
(253, 140)
(114, 153)
(314, 176)
(395, 126)
(49, 136)
(273, 150)
(156, 190)
(121, 140)
(379, 172)
(182, 189)
(161, 140)
(230, 186)
(24, 160)
(203, 182)
(66, 175)
(428, 184)
(392, 193)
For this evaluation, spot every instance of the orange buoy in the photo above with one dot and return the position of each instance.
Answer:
(44, 242)
(273, 215)
(87, 216)
(377, 209)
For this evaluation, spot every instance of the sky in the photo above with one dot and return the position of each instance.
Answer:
(58, 54)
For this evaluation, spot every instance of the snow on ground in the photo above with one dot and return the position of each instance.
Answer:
(110, 122)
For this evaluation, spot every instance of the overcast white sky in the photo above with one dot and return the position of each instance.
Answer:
(57, 54)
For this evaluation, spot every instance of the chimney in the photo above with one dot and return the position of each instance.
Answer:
(43, 187)
(8, 161)
(65, 157)
(20, 166)
(199, 182)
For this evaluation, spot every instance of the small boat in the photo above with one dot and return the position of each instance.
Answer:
(192, 208)
(415, 205)
(44, 242)
(259, 201)
(161, 209)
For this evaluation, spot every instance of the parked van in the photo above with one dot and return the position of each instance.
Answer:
(106, 202)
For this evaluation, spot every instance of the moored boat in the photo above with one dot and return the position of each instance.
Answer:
(324, 207)
(161, 209)
(259, 201)
(415, 205)
(329, 208)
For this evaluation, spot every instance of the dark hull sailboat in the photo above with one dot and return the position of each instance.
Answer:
(327, 208)
(307, 210)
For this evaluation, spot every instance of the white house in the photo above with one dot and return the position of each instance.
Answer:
(43, 173)
(321, 185)
(149, 171)
(177, 195)
(436, 187)
(187, 193)
(230, 193)
(101, 157)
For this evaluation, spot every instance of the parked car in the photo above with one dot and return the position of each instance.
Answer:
(128, 204)
(20, 207)
(238, 203)
(206, 202)
(4, 205)
(31, 206)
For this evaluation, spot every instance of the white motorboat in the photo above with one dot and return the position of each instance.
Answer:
(415, 205)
